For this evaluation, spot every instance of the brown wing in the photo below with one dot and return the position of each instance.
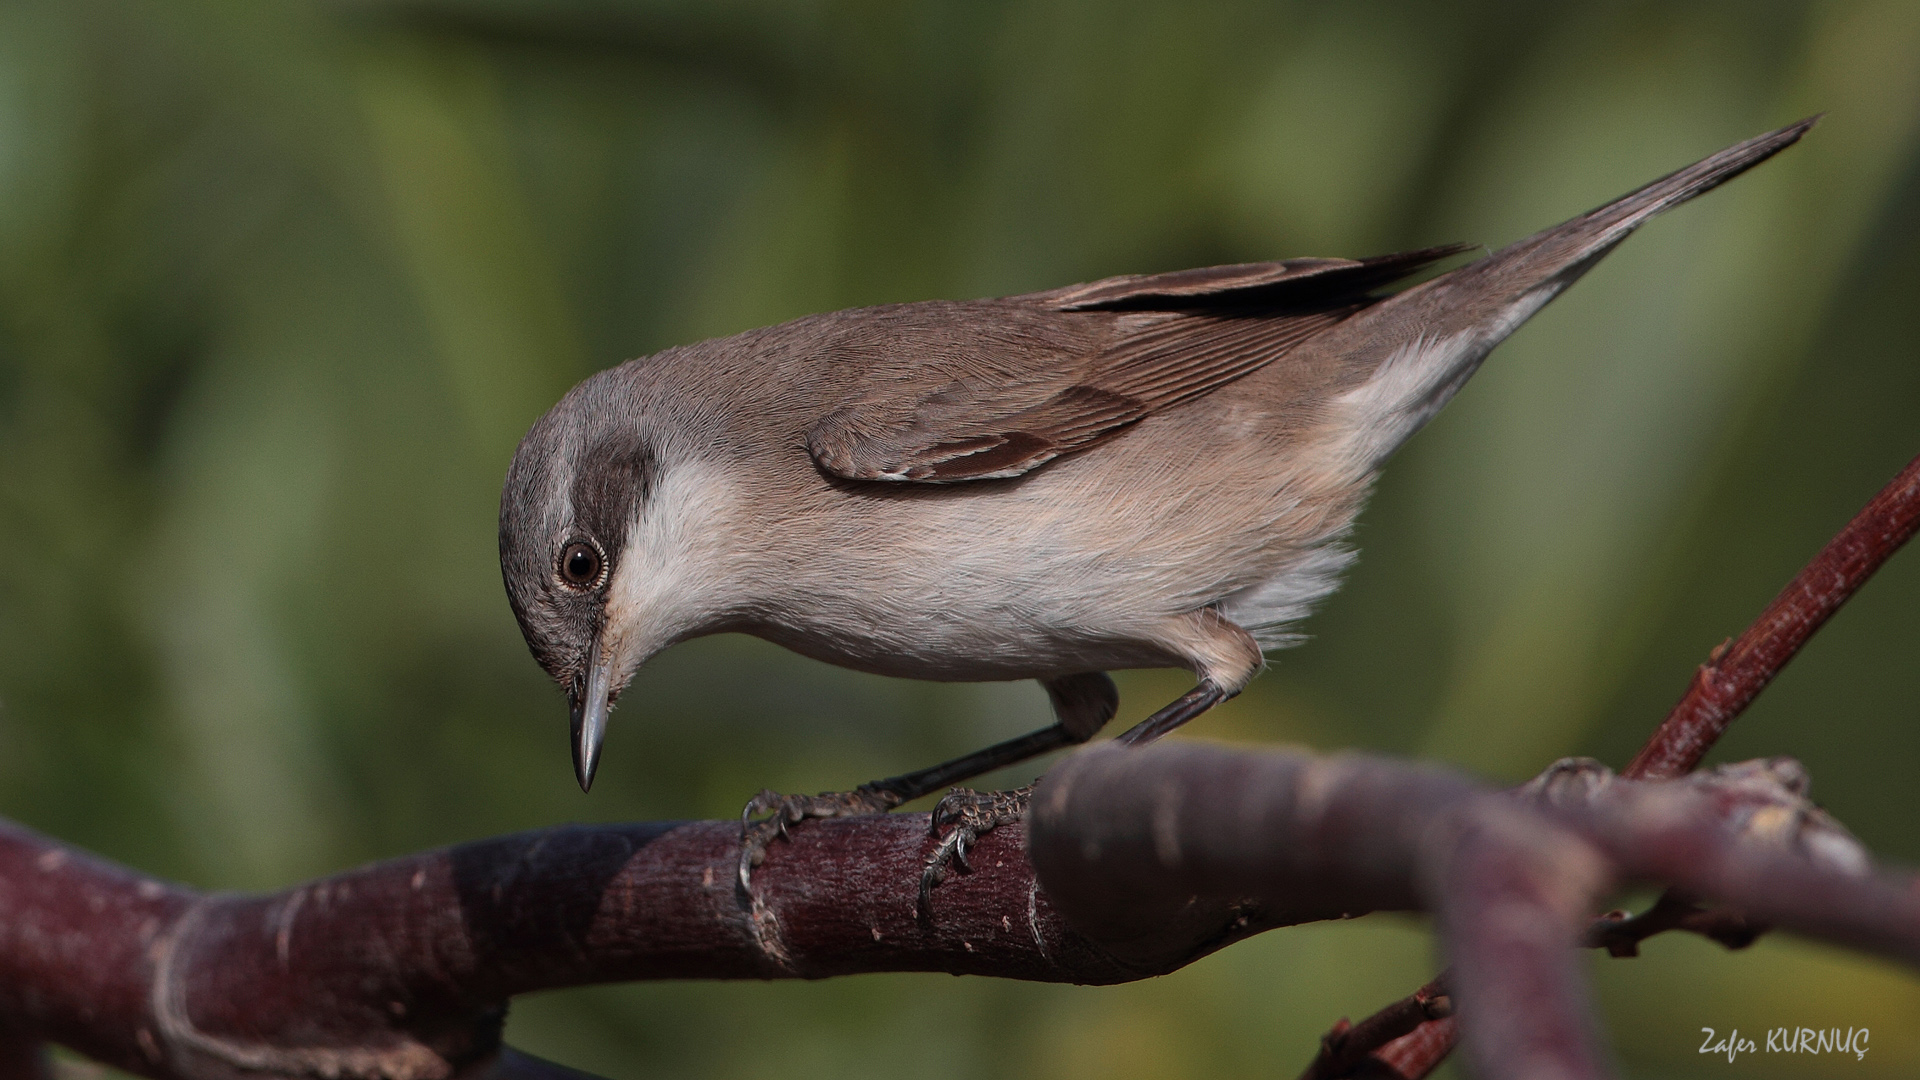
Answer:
(1230, 321)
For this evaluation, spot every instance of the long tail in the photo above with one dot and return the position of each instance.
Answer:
(1423, 344)
(1567, 250)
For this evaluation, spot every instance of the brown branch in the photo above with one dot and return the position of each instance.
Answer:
(1146, 859)
(1721, 690)
(401, 969)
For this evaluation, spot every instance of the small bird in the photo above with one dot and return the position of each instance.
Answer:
(1146, 471)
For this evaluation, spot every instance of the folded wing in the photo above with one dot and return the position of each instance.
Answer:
(1219, 324)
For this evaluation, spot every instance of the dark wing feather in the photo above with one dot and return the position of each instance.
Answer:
(1288, 282)
(1223, 323)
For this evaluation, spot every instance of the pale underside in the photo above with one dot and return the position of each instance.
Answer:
(1146, 551)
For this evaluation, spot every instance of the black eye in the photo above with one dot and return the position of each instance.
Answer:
(580, 564)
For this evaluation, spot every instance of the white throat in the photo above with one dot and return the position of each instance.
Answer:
(671, 580)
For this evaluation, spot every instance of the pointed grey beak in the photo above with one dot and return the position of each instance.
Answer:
(589, 716)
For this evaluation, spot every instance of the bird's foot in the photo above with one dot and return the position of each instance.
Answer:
(787, 810)
(967, 815)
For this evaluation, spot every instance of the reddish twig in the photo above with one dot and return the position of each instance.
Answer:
(1621, 932)
(1721, 690)
(1418, 1052)
(1402, 1041)
(1737, 672)
(1348, 1049)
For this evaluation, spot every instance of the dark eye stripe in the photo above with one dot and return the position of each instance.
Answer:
(614, 479)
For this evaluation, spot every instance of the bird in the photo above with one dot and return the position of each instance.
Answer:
(1158, 470)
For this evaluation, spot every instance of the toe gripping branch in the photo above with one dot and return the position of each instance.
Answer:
(881, 796)
(966, 815)
(963, 816)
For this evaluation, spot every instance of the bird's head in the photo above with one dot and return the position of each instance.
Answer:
(573, 502)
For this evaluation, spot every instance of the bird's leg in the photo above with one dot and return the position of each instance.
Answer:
(879, 796)
(1226, 657)
(1083, 702)
(968, 815)
(1184, 708)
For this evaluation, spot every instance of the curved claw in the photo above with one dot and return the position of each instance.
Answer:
(970, 814)
(767, 799)
(751, 855)
(789, 810)
(961, 807)
(952, 850)
(943, 812)
(958, 840)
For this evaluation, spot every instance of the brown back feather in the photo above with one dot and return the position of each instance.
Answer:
(1217, 325)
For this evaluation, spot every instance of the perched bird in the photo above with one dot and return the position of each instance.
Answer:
(1145, 471)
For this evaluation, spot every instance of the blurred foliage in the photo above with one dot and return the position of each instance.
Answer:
(281, 284)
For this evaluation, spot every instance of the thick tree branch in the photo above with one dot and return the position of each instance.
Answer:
(401, 969)
(1119, 837)
(1146, 859)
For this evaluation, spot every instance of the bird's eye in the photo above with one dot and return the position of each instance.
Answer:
(580, 564)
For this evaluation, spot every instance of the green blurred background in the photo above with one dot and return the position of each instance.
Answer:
(282, 283)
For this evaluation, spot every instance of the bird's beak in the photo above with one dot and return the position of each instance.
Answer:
(589, 715)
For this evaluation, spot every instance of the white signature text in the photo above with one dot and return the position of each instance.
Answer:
(1788, 1040)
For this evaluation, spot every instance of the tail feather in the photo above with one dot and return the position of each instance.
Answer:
(1703, 176)
(1423, 344)
(1578, 243)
